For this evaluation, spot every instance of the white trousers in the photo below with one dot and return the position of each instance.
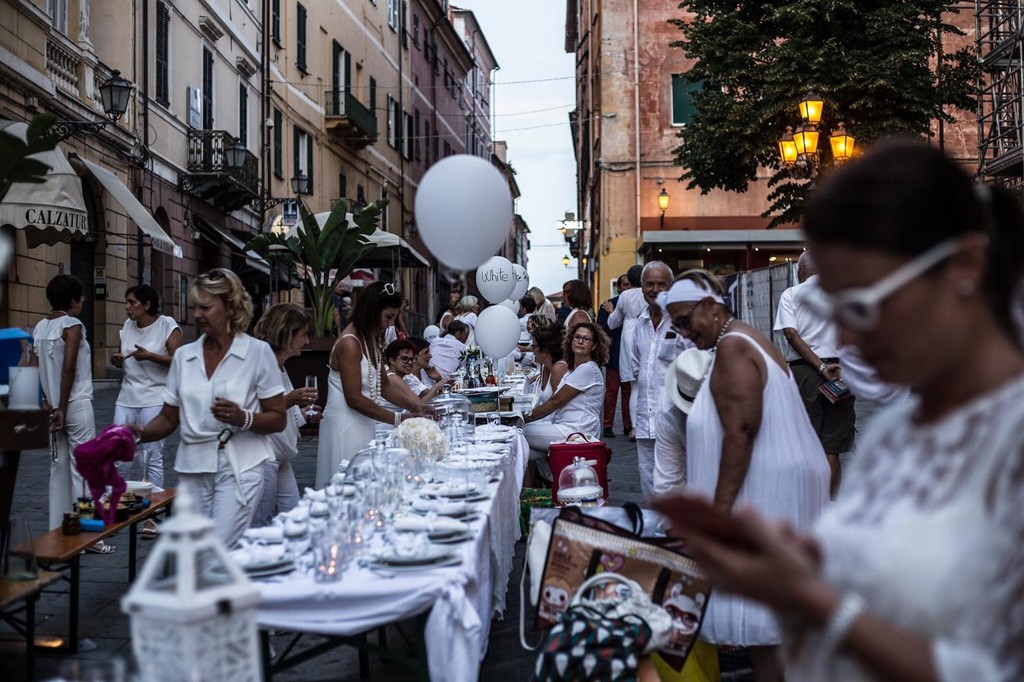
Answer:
(540, 435)
(280, 491)
(645, 463)
(634, 395)
(217, 495)
(150, 453)
(65, 482)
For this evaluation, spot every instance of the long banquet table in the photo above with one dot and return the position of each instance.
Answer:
(460, 599)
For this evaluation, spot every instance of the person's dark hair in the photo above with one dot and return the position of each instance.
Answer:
(63, 290)
(601, 344)
(374, 298)
(635, 275)
(396, 347)
(579, 294)
(418, 343)
(548, 339)
(528, 304)
(456, 326)
(147, 296)
(903, 197)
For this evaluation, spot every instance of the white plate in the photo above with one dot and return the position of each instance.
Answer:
(451, 538)
(266, 573)
(389, 558)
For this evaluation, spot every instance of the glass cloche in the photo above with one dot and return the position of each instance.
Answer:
(452, 408)
(579, 485)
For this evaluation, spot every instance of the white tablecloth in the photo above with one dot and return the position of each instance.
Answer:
(462, 598)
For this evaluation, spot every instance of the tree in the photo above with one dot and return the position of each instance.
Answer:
(315, 251)
(873, 61)
(16, 162)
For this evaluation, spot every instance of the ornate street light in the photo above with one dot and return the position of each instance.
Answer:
(806, 138)
(663, 199)
(787, 148)
(114, 95)
(842, 143)
(811, 107)
(300, 184)
(566, 260)
(234, 155)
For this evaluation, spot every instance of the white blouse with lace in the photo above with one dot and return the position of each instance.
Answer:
(929, 529)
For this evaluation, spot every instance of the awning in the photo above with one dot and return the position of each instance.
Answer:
(781, 238)
(136, 211)
(390, 249)
(252, 259)
(55, 209)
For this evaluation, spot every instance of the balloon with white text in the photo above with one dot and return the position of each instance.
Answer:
(496, 279)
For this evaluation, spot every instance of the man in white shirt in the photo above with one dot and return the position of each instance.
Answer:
(813, 357)
(624, 314)
(656, 346)
(446, 351)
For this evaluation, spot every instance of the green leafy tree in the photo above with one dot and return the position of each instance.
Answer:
(873, 62)
(314, 251)
(16, 164)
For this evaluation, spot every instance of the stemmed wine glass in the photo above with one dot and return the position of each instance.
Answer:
(311, 383)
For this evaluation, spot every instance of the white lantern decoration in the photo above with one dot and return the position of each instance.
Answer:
(522, 281)
(193, 611)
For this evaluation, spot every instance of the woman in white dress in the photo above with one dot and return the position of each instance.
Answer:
(577, 402)
(61, 351)
(915, 571)
(357, 382)
(224, 391)
(285, 327)
(548, 348)
(749, 442)
(148, 343)
(576, 294)
(470, 307)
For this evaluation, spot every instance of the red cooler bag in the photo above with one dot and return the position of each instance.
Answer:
(561, 455)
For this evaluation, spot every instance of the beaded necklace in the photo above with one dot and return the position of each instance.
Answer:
(373, 374)
(725, 328)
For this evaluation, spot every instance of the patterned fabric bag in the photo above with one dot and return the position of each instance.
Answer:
(600, 636)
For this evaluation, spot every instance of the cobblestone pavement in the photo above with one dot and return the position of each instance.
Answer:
(104, 580)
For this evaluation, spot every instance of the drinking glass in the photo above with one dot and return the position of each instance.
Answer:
(311, 383)
(101, 670)
(331, 552)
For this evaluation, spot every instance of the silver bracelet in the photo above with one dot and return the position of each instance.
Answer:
(248, 421)
(841, 622)
(398, 419)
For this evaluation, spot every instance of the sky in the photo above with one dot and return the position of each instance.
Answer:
(528, 40)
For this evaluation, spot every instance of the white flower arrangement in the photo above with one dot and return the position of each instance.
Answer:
(421, 436)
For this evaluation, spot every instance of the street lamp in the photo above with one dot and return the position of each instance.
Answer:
(234, 155)
(663, 199)
(800, 147)
(566, 260)
(114, 95)
(300, 184)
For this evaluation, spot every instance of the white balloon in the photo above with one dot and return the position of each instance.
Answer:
(463, 210)
(497, 331)
(522, 281)
(431, 332)
(496, 279)
(512, 305)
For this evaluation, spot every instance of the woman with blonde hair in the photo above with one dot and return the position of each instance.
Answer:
(470, 306)
(224, 391)
(285, 327)
(544, 306)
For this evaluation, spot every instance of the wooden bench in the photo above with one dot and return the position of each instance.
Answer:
(15, 592)
(58, 551)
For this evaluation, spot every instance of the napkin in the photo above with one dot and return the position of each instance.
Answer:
(257, 555)
(439, 506)
(316, 495)
(266, 533)
(423, 523)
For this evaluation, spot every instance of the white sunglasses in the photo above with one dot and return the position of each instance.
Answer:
(858, 308)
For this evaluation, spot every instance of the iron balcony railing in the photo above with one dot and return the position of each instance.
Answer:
(206, 157)
(342, 103)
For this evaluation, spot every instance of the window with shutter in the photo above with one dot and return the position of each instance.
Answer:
(409, 136)
(682, 99)
(373, 99)
(243, 115)
(416, 135)
(278, 144)
(275, 22)
(416, 30)
(163, 45)
(207, 89)
(390, 136)
(426, 142)
(300, 46)
(342, 186)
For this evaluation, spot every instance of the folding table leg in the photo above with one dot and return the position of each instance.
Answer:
(265, 654)
(73, 616)
(133, 550)
(30, 637)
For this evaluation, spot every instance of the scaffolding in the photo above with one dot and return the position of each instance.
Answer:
(1000, 24)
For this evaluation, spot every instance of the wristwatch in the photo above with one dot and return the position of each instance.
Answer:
(821, 367)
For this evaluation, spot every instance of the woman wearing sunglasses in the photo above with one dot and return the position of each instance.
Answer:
(357, 383)
(915, 572)
(749, 443)
(576, 404)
